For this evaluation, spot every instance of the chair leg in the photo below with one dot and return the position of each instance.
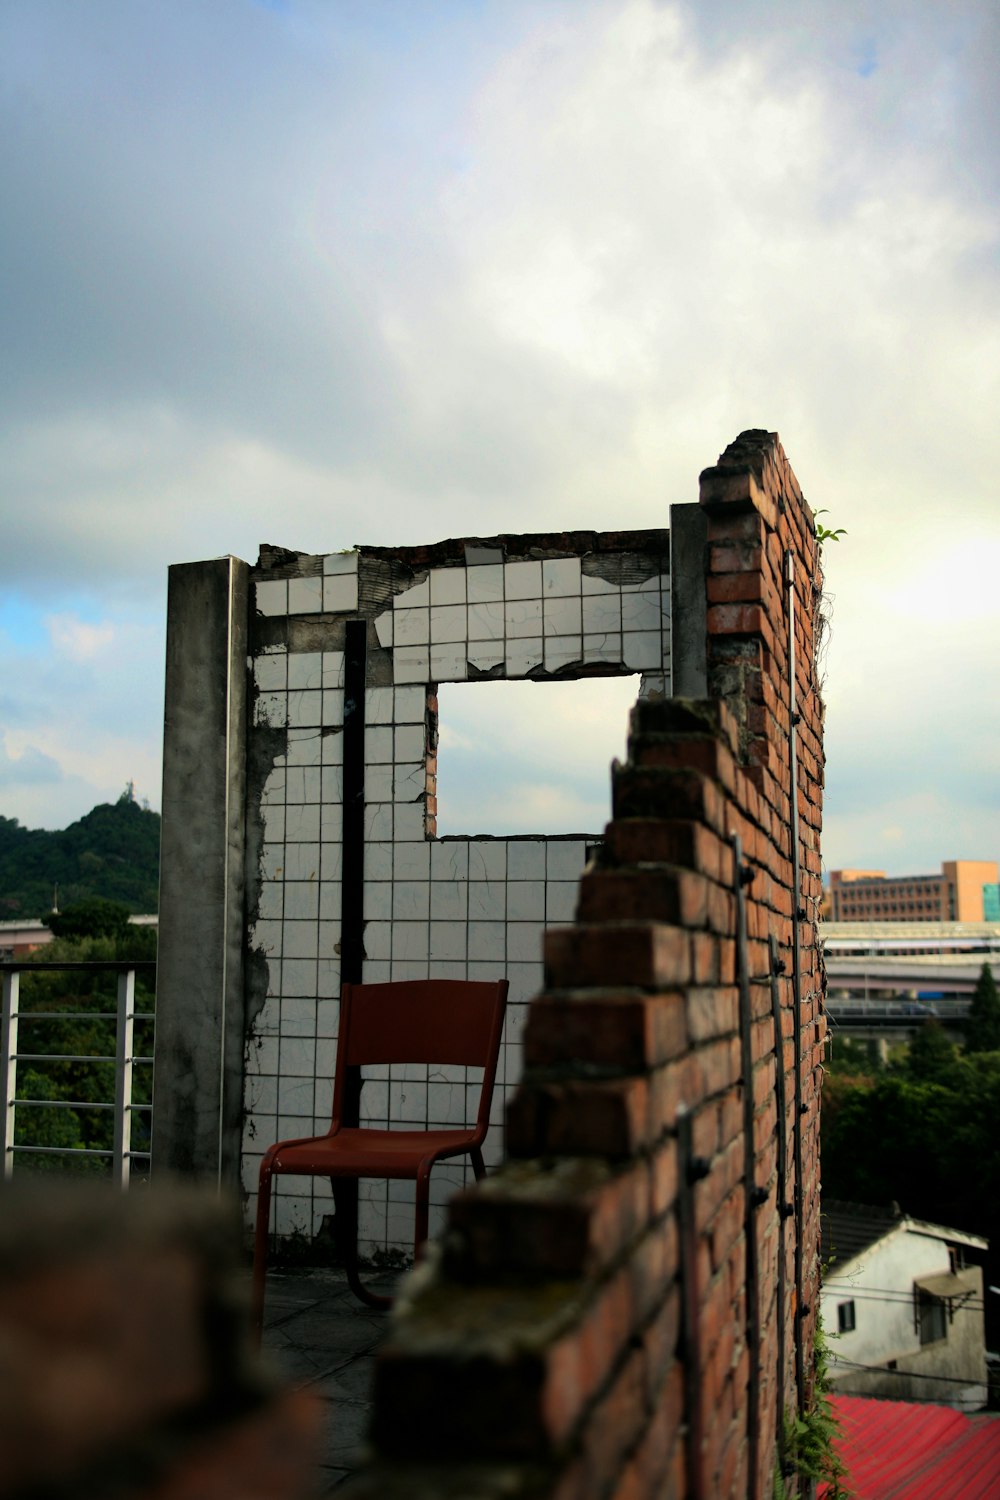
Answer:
(260, 1248)
(478, 1165)
(345, 1221)
(420, 1225)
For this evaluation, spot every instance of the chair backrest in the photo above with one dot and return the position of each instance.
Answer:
(446, 1021)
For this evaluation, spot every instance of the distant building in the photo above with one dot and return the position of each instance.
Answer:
(905, 1300)
(966, 890)
(18, 939)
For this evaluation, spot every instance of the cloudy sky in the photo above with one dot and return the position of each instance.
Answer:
(324, 272)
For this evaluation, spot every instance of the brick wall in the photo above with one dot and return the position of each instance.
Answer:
(626, 1308)
(125, 1359)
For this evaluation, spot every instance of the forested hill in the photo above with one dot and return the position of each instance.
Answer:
(113, 852)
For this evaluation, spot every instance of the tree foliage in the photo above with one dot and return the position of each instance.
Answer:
(92, 918)
(982, 1028)
(112, 853)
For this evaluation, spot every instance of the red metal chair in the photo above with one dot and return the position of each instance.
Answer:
(445, 1021)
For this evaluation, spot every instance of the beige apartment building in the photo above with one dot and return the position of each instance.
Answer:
(964, 891)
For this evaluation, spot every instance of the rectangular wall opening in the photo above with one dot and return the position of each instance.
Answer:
(530, 757)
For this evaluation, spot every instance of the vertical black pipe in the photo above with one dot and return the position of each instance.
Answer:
(352, 950)
(776, 967)
(742, 875)
(793, 778)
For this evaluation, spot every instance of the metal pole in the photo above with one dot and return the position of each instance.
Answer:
(8, 1068)
(123, 1076)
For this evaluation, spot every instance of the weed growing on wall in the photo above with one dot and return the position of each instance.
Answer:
(807, 1444)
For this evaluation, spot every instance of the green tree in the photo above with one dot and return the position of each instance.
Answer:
(931, 1057)
(89, 919)
(982, 1029)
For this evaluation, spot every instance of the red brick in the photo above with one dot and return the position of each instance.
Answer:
(660, 893)
(595, 1117)
(630, 1030)
(649, 954)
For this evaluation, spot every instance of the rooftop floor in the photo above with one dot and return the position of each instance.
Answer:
(320, 1336)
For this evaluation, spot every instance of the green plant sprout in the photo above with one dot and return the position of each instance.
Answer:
(827, 533)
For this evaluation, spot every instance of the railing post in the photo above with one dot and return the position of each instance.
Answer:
(124, 1051)
(8, 1067)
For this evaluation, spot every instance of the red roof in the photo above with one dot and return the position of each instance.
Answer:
(899, 1450)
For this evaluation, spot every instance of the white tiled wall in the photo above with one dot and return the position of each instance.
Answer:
(454, 908)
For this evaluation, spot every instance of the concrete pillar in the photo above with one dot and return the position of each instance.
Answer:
(198, 1069)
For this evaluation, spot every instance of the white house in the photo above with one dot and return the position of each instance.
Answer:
(902, 1302)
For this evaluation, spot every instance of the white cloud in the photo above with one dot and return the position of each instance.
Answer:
(77, 639)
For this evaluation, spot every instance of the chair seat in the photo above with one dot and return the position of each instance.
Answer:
(369, 1153)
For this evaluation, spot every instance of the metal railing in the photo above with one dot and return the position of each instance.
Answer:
(124, 1059)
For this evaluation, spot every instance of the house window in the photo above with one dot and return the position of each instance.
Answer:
(932, 1317)
(845, 1317)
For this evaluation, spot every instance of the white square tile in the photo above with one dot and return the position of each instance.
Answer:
(340, 593)
(301, 900)
(273, 791)
(564, 859)
(602, 614)
(655, 685)
(523, 618)
(378, 900)
(411, 627)
(642, 649)
(331, 826)
(484, 656)
(267, 937)
(449, 859)
(411, 861)
(331, 743)
(378, 861)
(560, 901)
(409, 742)
(487, 941)
(298, 1056)
(448, 623)
(409, 941)
(487, 900)
(333, 669)
(525, 979)
(484, 584)
(409, 968)
(409, 781)
(333, 783)
(487, 859)
(449, 663)
(378, 940)
(378, 705)
(270, 671)
(327, 1022)
(378, 823)
(301, 861)
(417, 594)
(523, 580)
(298, 940)
(333, 707)
(305, 669)
(302, 824)
(562, 616)
(305, 708)
(305, 596)
(526, 901)
(378, 744)
(304, 747)
(411, 664)
(378, 783)
(272, 861)
(447, 586)
(526, 859)
(602, 648)
(409, 705)
(523, 657)
(327, 969)
(340, 562)
(328, 944)
(383, 628)
(447, 940)
(377, 971)
(410, 822)
(410, 901)
(295, 1099)
(271, 596)
(562, 651)
(486, 622)
(449, 901)
(640, 611)
(560, 576)
(330, 899)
